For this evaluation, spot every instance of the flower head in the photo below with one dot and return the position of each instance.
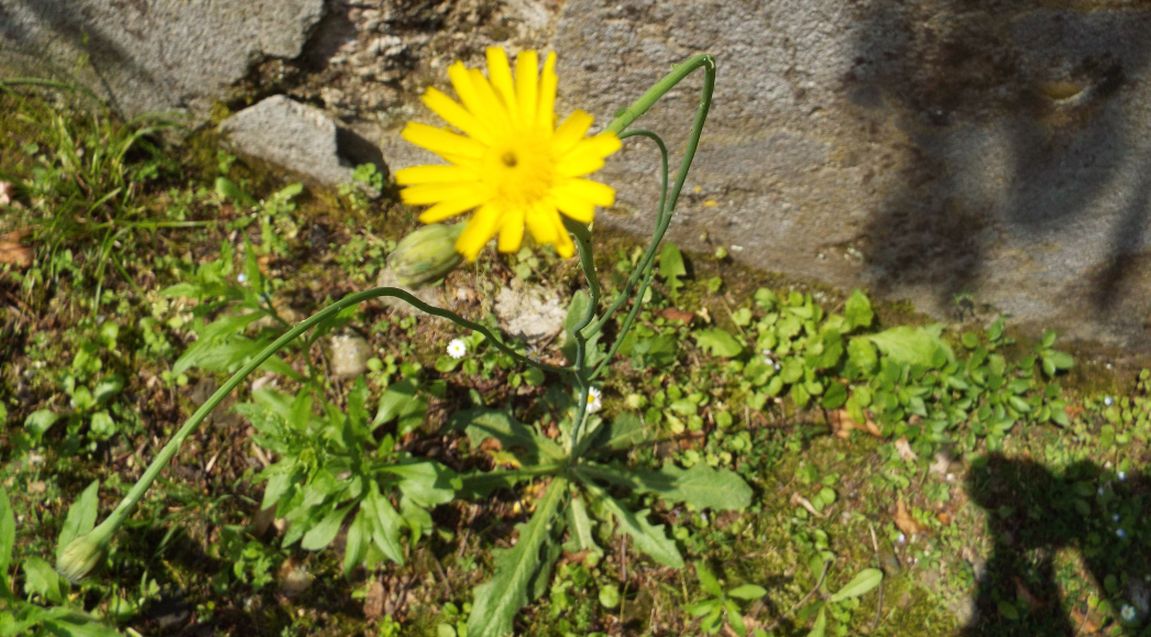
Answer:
(594, 400)
(457, 348)
(509, 162)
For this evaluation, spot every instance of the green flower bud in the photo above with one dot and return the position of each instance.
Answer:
(81, 556)
(426, 255)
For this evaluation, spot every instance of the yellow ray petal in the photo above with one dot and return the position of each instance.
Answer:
(500, 74)
(426, 194)
(563, 240)
(512, 230)
(480, 230)
(527, 86)
(586, 189)
(441, 142)
(491, 107)
(453, 113)
(587, 155)
(579, 209)
(435, 174)
(450, 208)
(545, 114)
(570, 131)
(540, 225)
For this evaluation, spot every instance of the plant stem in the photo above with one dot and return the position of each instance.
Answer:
(110, 524)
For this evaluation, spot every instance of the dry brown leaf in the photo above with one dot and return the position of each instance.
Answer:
(904, 449)
(676, 314)
(14, 252)
(1086, 623)
(842, 424)
(905, 522)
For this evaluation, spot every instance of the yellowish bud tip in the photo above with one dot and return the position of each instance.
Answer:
(81, 555)
(426, 255)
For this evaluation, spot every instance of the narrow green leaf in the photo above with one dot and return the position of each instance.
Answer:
(581, 526)
(671, 266)
(576, 311)
(81, 517)
(499, 599)
(707, 580)
(747, 592)
(701, 486)
(863, 582)
(7, 540)
(820, 625)
(735, 619)
(718, 342)
(651, 540)
(427, 484)
(357, 545)
(385, 524)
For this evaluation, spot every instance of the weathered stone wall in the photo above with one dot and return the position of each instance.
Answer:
(928, 149)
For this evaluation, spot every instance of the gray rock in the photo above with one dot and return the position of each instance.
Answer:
(533, 313)
(158, 55)
(295, 136)
(350, 354)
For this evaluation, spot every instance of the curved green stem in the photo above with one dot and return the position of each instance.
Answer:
(100, 535)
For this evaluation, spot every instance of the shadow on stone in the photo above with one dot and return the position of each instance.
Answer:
(1021, 132)
(1034, 513)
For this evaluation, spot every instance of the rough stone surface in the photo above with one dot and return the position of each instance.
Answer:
(995, 150)
(533, 313)
(350, 354)
(295, 136)
(153, 55)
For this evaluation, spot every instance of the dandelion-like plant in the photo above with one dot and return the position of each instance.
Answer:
(509, 162)
(516, 171)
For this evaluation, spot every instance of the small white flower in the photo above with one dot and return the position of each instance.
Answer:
(901, 539)
(1115, 517)
(1122, 475)
(1107, 400)
(1121, 533)
(457, 348)
(1127, 613)
(594, 400)
(242, 278)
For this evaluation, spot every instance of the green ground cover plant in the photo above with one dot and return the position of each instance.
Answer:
(795, 442)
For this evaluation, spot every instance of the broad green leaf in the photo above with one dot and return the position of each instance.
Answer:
(627, 431)
(747, 592)
(671, 266)
(858, 310)
(426, 483)
(499, 599)
(401, 402)
(40, 421)
(651, 540)
(41, 579)
(71, 623)
(325, 531)
(81, 517)
(913, 345)
(820, 626)
(718, 342)
(530, 447)
(576, 311)
(862, 583)
(7, 539)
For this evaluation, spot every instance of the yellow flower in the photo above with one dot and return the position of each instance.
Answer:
(512, 165)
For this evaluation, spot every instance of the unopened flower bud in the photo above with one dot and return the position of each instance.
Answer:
(426, 255)
(81, 556)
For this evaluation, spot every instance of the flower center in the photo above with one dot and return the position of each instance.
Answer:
(521, 169)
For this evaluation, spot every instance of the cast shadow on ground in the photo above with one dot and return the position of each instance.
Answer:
(1016, 125)
(1102, 517)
